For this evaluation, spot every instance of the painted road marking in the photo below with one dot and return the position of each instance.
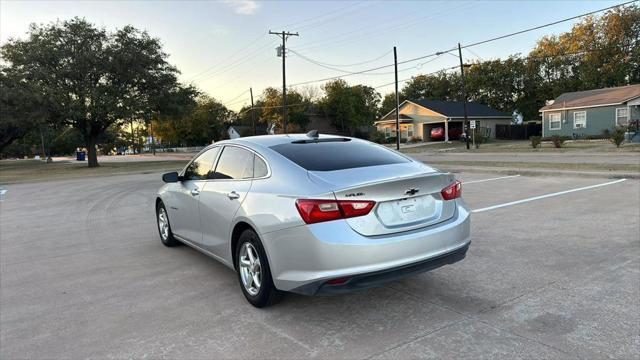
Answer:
(546, 196)
(483, 180)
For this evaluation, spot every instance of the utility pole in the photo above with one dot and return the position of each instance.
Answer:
(395, 64)
(284, 35)
(253, 117)
(464, 95)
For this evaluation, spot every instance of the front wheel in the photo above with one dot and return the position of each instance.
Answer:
(164, 227)
(254, 273)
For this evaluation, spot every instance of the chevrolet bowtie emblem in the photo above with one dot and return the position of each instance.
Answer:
(412, 191)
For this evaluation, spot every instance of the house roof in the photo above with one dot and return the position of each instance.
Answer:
(456, 108)
(597, 97)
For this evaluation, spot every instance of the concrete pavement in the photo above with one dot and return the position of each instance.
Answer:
(83, 274)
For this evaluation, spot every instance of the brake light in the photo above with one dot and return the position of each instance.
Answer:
(315, 211)
(452, 191)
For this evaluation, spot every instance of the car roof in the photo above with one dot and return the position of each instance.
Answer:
(272, 140)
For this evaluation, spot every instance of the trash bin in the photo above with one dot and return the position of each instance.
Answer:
(80, 155)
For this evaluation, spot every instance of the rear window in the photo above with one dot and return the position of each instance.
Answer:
(337, 155)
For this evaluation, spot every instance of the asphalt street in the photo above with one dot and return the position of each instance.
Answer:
(83, 275)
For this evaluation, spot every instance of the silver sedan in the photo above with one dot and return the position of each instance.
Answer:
(313, 214)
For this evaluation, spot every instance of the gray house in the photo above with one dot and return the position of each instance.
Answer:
(583, 113)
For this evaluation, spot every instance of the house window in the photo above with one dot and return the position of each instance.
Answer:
(622, 116)
(579, 119)
(388, 132)
(410, 131)
(554, 121)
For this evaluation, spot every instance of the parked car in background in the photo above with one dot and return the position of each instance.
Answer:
(313, 214)
(437, 133)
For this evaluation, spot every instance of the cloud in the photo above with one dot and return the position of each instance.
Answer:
(244, 7)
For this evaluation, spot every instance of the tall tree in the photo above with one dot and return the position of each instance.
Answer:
(21, 108)
(271, 109)
(92, 79)
(350, 106)
(193, 126)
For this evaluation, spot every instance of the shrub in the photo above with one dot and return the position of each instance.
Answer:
(479, 138)
(377, 137)
(606, 134)
(391, 140)
(403, 140)
(415, 139)
(617, 136)
(558, 141)
(535, 141)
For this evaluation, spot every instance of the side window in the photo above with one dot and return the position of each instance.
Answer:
(202, 167)
(259, 168)
(234, 163)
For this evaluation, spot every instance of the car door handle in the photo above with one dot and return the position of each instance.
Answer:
(233, 195)
(195, 192)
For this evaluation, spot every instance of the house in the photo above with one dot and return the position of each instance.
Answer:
(583, 113)
(418, 117)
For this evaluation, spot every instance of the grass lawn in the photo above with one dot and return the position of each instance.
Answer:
(19, 171)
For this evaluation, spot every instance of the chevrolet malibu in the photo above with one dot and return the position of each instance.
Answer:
(313, 214)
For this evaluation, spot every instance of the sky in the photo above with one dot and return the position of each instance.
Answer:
(224, 47)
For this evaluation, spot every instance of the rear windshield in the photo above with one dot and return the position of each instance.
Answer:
(338, 155)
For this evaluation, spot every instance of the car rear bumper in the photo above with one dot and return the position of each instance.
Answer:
(377, 278)
(302, 259)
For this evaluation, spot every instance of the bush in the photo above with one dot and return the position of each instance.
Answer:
(391, 140)
(377, 137)
(606, 134)
(617, 136)
(535, 141)
(403, 140)
(479, 138)
(415, 139)
(558, 141)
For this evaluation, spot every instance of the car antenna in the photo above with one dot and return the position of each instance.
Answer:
(313, 134)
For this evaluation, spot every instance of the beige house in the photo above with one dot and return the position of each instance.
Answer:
(418, 117)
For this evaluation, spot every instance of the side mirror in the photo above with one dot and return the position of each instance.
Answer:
(171, 177)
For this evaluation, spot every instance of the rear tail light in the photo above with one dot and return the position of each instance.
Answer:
(452, 191)
(315, 211)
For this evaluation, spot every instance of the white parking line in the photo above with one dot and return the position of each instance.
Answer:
(483, 180)
(546, 196)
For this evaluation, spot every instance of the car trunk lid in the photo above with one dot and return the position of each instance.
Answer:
(408, 199)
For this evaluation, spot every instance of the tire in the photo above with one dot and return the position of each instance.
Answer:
(162, 218)
(262, 293)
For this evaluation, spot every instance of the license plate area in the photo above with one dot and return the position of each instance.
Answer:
(408, 211)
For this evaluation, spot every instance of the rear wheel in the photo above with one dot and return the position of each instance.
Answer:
(254, 273)
(164, 227)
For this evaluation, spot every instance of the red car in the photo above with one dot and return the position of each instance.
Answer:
(437, 133)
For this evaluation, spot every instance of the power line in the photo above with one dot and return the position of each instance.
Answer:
(227, 58)
(467, 46)
(581, 52)
(342, 65)
(548, 24)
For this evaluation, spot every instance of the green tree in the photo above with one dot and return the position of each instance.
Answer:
(270, 105)
(21, 108)
(389, 103)
(92, 79)
(193, 126)
(350, 106)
